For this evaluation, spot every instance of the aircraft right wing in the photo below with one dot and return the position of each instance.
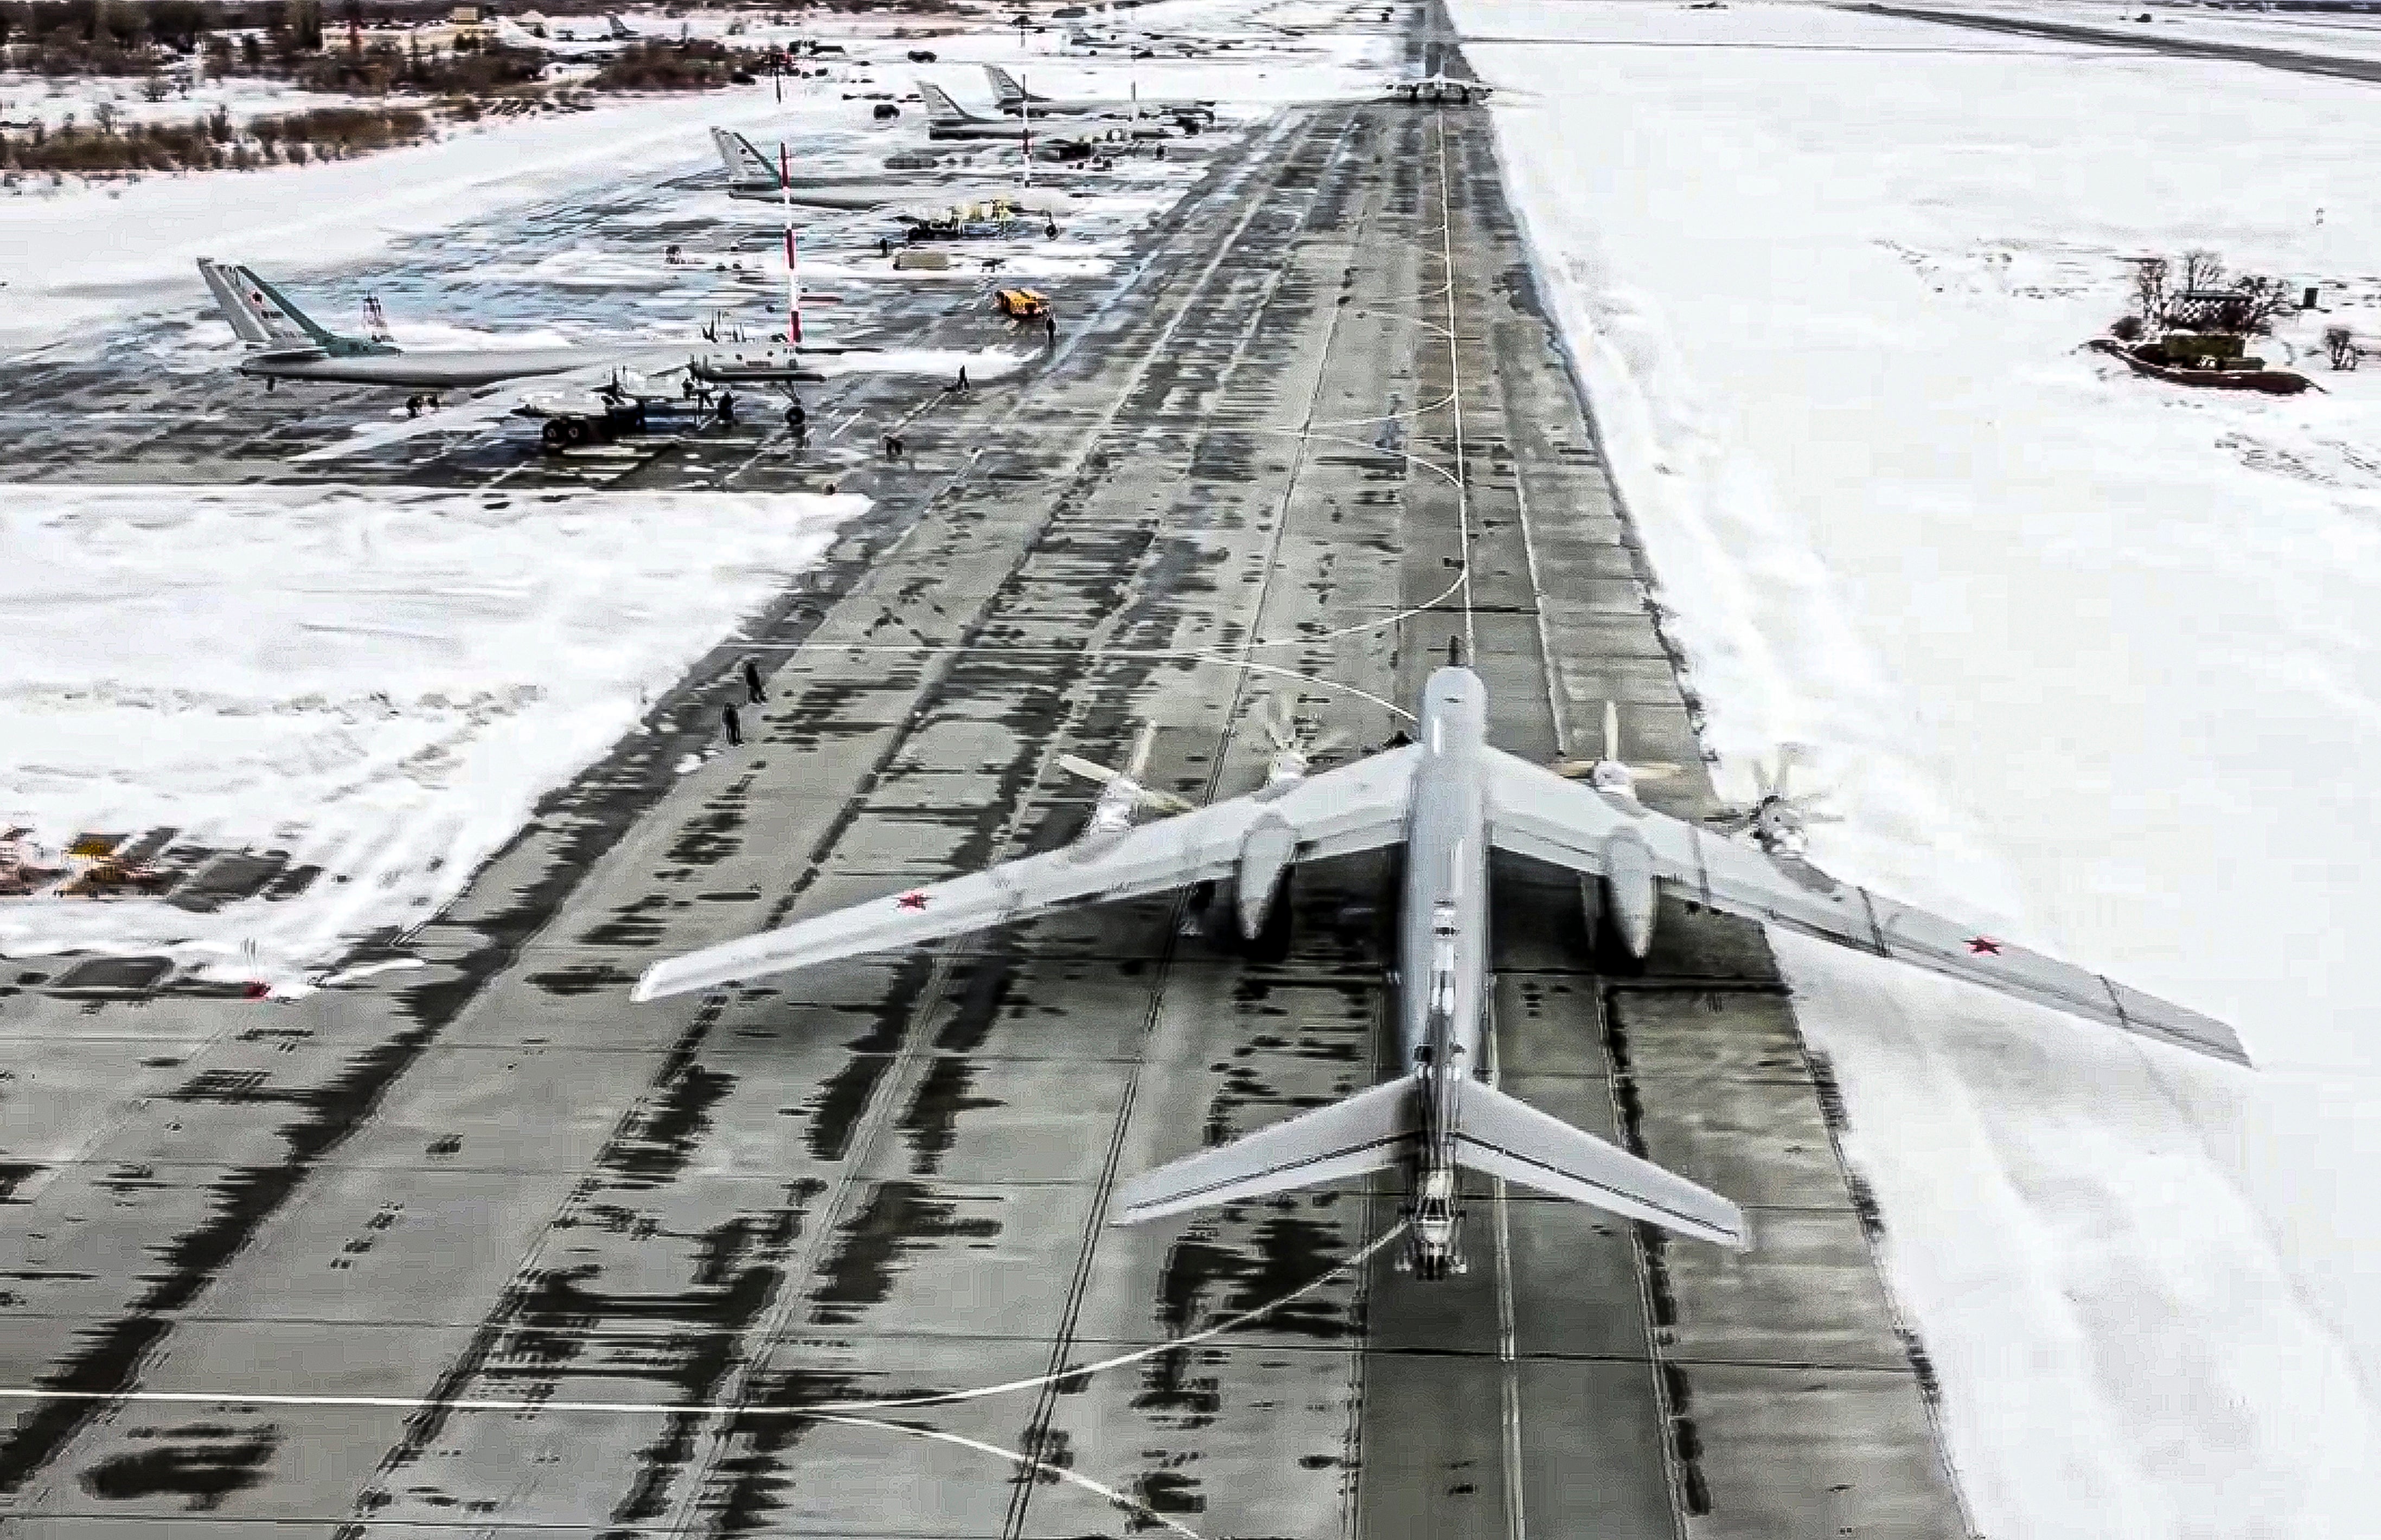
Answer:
(1358, 807)
(1536, 813)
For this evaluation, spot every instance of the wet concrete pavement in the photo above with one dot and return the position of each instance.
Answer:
(493, 1178)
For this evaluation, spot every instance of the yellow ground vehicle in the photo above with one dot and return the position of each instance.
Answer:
(1021, 304)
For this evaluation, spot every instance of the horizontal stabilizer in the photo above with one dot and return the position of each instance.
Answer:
(1368, 1130)
(1501, 1137)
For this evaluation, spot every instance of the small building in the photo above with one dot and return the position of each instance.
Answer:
(2211, 310)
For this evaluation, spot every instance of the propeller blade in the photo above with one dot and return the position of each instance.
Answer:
(1652, 770)
(1074, 766)
(1137, 765)
(1280, 729)
(1163, 801)
(1336, 738)
(1760, 779)
(1573, 769)
(1730, 822)
(1612, 730)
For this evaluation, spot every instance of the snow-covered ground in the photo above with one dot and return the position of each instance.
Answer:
(2089, 659)
(2340, 34)
(379, 682)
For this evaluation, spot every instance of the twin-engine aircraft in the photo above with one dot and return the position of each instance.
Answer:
(1450, 798)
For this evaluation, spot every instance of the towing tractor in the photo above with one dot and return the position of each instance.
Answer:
(1021, 304)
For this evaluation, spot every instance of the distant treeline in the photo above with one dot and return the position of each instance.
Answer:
(693, 64)
(212, 142)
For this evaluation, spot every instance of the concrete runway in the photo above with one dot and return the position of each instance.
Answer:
(1319, 389)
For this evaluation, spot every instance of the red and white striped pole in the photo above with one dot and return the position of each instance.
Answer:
(793, 253)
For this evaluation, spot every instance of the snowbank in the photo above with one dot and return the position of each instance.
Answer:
(2089, 659)
(379, 682)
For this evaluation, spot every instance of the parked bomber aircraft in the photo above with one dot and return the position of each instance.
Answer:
(1450, 797)
(286, 344)
(1013, 99)
(577, 395)
(947, 120)
(751, 177)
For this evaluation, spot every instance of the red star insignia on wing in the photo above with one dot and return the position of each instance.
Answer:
(1984, 945)
(911, 900)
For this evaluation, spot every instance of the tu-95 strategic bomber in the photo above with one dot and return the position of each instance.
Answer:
(1450, 797)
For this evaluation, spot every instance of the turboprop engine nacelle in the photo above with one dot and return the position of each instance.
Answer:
(1629, 894)
(1266, 851)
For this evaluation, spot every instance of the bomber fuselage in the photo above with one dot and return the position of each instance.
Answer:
(1443, 943)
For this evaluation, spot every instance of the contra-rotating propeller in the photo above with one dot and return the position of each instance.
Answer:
(1780, 822)
(1295, 746)
(1608, 772)
(1124, 787)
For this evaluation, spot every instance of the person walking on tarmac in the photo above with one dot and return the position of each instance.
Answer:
(729, 720)
(1050, 325)
(892, 449)
(727, 408)
(752, 682)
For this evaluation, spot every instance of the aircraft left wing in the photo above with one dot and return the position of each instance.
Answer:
(1536, 813)
(1357, 807)
(494, 403)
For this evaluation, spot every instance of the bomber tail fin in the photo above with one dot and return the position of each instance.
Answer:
(1369, 1132)
(258, 316)
(1005, 89)
(278, 314)
(1495, 1135)
(940, 108)
(1500, 1136)
(744, 163)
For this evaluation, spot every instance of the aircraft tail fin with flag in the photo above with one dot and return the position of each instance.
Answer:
(746, 166)
(258, 313)
(1494, 1135)
(276, 311)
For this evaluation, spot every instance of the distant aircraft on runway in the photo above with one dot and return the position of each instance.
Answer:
(1440, 87)
(512, 34)
(1450, 798)
(751, 177)
(1014, 99)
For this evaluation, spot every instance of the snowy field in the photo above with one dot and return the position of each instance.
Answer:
(2088, 658)
(2336, 34)
(379, 682)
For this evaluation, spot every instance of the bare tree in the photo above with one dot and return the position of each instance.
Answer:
(2341, 342)
(2264, 302)
(2201, 271)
